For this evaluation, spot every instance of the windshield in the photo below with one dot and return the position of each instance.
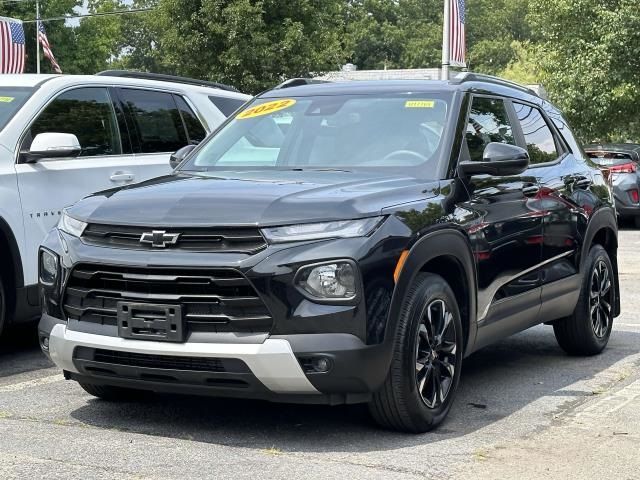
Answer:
(610, 158)
(11, 99)
(330, 132)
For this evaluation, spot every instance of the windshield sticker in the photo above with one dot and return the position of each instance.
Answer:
(419, 104)
(7, 99)
(266, 108)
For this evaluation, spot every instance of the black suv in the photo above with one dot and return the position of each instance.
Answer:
(338, 243)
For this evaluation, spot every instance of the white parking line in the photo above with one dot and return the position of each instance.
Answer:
(15, 387)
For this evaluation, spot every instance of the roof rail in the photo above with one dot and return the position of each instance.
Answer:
(296, 82)
(481, 77)
(165, 78)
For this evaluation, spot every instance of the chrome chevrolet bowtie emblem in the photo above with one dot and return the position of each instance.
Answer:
(159, 238)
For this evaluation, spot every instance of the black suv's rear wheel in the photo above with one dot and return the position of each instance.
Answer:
(587, 331)
(425, 370)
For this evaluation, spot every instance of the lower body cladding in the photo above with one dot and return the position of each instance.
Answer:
(322, 368)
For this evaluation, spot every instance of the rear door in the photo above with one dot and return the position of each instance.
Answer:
(160, 123)
(506, 234)
(49, 185)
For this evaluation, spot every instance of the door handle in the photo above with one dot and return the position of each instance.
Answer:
(530, 189)
(122, 177)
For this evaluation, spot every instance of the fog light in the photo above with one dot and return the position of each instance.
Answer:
(45, 343)
(321, 364)
(48, 267)
(316, 364)
(329, 281)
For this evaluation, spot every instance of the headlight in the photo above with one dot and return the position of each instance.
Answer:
(331, 281)
(71, 226)
(315, 231)
(48, 267)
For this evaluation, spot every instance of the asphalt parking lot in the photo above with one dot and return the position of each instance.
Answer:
(523, 391)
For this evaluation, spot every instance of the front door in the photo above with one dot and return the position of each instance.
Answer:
(505, 228)
(50, 185)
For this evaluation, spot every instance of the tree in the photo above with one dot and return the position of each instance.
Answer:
(252, 44)
(589, 59)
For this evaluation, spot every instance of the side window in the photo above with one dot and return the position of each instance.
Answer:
(88, 114)
(226, 105)
(195, 130)
(537, 134)
(156, 120)
(488, 122)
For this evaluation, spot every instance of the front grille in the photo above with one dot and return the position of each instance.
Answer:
(233, 240)
(217, 300)
(165, 362)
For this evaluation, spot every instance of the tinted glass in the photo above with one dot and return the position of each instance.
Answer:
(325, 132)
(156, 120)
(88, 114)
(195, 130)
(11, 99)
(226, 105)
(488, 122)
(537, 134)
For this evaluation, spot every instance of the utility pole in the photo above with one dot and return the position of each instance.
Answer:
(446, 57)
(38, 36)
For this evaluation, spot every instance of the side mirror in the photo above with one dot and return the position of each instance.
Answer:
(52, 145)
(498, 159)
(176, 158)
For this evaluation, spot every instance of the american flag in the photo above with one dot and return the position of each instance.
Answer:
(46, 48)
(457, 46)
(11, 46)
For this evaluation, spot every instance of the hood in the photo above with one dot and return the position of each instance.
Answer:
(251, 198)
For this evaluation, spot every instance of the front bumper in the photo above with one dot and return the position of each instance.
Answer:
(274, 371)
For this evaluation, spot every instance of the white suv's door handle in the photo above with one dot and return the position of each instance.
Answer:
(122, 177)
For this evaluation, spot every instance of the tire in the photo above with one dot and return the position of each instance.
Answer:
(112, 394)
(636, 221)
(584, 332)
(400, 404)
(3, 307)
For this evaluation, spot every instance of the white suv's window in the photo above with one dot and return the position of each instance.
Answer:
(88, 114)
(156, 120)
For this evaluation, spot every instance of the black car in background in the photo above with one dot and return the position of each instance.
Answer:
(338, 243)
(619, 162)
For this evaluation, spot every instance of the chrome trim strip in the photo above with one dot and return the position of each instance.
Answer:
(488, 295)
(272, 362)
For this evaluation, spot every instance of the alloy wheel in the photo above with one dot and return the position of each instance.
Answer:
(436, 354)
(600, 299)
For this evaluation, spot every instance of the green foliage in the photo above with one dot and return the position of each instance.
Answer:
(585, 52)
(589, 62)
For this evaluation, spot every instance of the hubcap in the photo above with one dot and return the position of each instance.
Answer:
(436, 354)
(600, 299)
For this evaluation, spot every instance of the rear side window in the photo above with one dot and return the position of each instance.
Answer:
(156, 120)
(488, 122)
(88, 114)
(537, 134)
(195, 130)
(226, 105)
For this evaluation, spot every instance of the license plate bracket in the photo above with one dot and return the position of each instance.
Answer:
(146, 321)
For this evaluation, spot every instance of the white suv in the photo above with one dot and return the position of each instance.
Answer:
(63, 137)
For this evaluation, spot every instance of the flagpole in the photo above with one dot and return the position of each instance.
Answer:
(38, 36)
(445, 40)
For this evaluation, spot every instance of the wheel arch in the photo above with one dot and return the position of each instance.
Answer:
(446, 252)
(603, 230)
(11, 270)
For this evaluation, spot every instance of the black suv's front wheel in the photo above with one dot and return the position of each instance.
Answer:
(425, 370)
(587, 331)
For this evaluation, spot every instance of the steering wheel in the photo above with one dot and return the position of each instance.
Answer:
(409, 153)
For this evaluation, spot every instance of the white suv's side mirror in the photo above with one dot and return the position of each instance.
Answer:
(53, 145)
